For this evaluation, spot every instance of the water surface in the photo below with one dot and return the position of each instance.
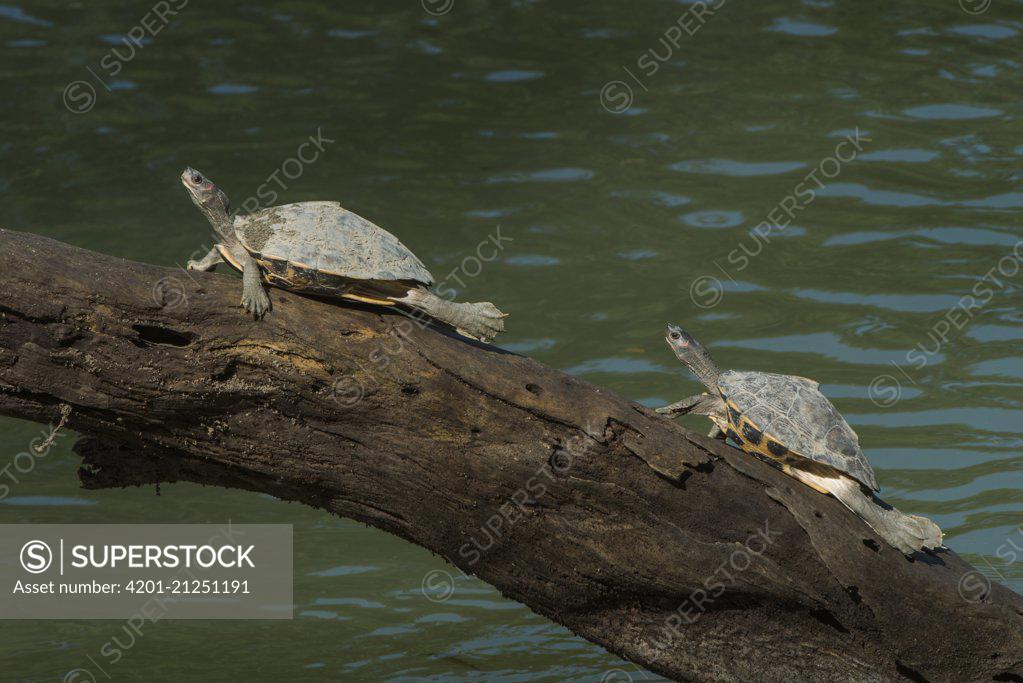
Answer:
(632, 175)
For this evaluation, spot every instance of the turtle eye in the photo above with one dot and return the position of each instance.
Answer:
(197, 179)
(676, 336)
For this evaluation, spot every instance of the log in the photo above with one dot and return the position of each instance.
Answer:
(674, 551)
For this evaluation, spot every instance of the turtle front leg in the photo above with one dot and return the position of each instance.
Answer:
(254, 297)
(701, 404)
(207, 262)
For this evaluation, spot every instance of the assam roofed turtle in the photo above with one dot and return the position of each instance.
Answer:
(322, 248)
(786, 419)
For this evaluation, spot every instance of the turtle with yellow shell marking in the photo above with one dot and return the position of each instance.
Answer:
(787, 420)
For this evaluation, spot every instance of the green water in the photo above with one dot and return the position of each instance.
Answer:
(444, 128)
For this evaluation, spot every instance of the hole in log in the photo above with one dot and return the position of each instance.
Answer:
(872, 544)
(66, 336)
(854, 593)
(152, 334)
(817, 514)
(409, 389)
(534, 389)
(1007, 676)
(227, 373)
(909, 673)
(559, 460)
(475, 431)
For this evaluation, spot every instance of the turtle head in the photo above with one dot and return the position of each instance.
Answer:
(692, 353)
(210, 199)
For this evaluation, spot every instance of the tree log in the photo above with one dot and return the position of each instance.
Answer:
(677, 552)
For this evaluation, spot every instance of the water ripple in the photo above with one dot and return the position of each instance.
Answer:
(989, 31)
(802, 28)
(550, 175)
(739, 169)
(19, 15)
(951, 112)
(713, 219)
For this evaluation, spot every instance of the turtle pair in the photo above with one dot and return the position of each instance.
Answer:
(321, 248)
(787, 420)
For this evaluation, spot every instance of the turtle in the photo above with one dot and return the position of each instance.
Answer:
(321, 248)
(787, 420)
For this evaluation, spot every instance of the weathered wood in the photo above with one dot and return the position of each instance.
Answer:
(679, 553)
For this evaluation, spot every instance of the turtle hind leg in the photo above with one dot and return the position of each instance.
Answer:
(482, 321)
(367, 299)
(811, 481)
(906, 533)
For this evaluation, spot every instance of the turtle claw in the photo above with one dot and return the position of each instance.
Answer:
(257, 304)
(490, 322)
(668, 412)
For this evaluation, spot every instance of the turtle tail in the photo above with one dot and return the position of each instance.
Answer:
(908, 533)
(482, 321)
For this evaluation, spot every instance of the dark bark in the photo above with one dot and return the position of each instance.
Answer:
(602, 515)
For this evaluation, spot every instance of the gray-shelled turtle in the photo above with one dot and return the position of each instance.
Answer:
(321, 248)
(787, 419)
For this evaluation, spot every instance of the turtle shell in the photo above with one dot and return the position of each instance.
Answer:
(784, 415)
(321, 247)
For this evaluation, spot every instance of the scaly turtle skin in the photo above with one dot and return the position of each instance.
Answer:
(321, 248)
(787, 419)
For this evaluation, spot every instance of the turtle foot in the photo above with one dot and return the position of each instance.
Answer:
(489, 321)
(257, 303)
